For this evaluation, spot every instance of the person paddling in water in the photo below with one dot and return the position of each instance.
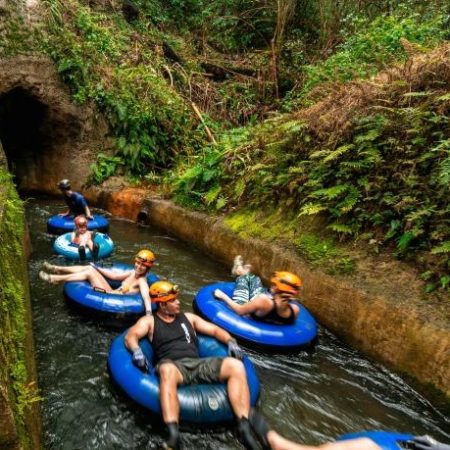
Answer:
(248, 285)
(75, 201)
(84, 238)
(274, 306)
(133, 281)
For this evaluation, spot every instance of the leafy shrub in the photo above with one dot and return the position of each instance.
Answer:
(367, 52)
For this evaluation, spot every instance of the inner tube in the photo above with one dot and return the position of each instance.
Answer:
(267, 336)
(199, 404)
(118, 306)
(62, 224)
(64, 246)
(386, 440)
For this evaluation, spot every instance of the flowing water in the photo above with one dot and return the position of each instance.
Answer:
(307, 397)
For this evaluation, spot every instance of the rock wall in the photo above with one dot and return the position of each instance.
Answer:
(45, 136)
(395, 334)
(20, 425)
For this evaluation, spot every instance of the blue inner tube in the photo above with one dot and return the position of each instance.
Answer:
(63, 246)
(386, 440)
(265, 335)
(59, 224)
(200, 403)
(119, 305)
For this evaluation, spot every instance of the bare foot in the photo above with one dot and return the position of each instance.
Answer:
(46, 277)
(49, 267)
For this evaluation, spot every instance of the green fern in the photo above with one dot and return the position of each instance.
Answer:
(311, 208)
(350, 201)
(444, 247)
(340, 228)
(338, 152)
(332, 192)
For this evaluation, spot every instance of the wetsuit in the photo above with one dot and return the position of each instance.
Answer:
(76, 203)
(273, 317)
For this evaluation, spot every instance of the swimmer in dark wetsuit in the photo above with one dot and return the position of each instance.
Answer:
(275, 306)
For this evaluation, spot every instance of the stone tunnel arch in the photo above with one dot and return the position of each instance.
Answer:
(45, 137)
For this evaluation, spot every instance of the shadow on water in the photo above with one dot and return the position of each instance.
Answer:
(308, 397)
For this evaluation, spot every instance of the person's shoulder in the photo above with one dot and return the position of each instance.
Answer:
(77, 194)
(146, 320)
(191, 316)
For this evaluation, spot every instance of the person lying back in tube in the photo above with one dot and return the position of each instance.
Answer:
(271, 440)
(76, 203)
(133, 281)
(274, 306)
(84, 238)
(248, 285)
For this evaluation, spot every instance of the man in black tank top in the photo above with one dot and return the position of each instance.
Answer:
(174, 341)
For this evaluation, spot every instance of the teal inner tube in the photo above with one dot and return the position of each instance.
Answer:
(64, 246)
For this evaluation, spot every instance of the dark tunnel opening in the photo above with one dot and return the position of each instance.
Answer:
(23, 133)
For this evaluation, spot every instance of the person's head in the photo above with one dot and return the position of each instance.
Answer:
(286, 284)
(81, 224)
(144, 260)
(165, 295)
(64, 186)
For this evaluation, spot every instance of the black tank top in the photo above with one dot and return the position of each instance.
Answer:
(273, 317)
(174, 340)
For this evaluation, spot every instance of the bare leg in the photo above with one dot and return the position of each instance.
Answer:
(65, 269)
(279, 443)
(233, 372)
(170, 378)
(88, 273)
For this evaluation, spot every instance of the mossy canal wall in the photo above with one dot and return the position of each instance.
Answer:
(394, 333)
(19, 411)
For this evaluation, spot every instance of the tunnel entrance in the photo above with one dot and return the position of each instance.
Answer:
(24, 131)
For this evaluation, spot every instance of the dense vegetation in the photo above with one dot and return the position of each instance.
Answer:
(13, 320)
(258, 109)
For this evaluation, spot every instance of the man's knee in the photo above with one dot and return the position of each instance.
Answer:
(232, 367)
(168, 373)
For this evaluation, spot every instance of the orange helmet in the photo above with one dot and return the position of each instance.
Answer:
(163, 291)
(145, 257)
(286, 282)
(80, 221)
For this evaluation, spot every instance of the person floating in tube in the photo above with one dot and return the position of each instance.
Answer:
(173, 335)
(75, 201)
(271, 440)
(133, 281)
(84, 238)
(274, 306)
